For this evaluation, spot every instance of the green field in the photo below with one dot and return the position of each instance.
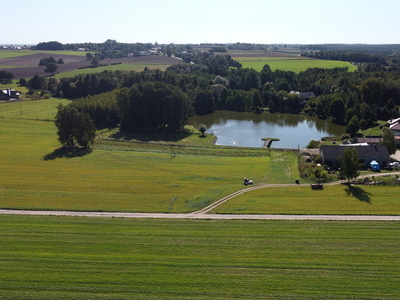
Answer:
(115, 258)
(332, 200)
(36, 174)
(14, 53)
(17, 53)
(294, 64)
(32, 110)
(120, 67)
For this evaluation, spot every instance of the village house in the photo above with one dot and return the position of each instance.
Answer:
(9, 95)
(366, 154)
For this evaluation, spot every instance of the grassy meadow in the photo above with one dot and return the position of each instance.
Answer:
(118, 67)
(294, 64)
(302, 200)
(37, 174)
(117, 258)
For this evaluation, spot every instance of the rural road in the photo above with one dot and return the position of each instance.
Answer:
(203, 213)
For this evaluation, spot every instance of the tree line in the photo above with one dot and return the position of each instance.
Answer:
(347, 56)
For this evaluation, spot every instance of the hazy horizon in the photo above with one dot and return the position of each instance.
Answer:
(208, 21)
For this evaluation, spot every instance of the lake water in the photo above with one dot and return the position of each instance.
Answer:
(247, 129)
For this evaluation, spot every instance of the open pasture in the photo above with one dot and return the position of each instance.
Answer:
(86, 258)
(31, 110)
(302, 200)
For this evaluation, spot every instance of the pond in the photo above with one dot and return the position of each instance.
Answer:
(247, 129)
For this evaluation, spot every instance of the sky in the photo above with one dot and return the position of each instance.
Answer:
(202, 21)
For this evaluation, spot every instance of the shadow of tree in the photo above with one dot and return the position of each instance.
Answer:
(358, 193)
(65, 152)
(151, 136)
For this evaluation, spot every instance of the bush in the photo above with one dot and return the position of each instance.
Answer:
(313, 144)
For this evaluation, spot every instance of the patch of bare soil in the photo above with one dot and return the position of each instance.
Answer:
(30, 63)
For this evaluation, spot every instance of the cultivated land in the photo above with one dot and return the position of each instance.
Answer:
(25, 64)
(285, 61)
(98, 258)
(117, 258)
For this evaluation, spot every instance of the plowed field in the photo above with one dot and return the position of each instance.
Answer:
(27, 66)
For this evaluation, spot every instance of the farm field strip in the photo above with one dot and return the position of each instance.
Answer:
(118, 258)
(119, 67)
(295, 65)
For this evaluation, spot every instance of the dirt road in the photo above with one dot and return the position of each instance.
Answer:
(203, 213)
(199, 216)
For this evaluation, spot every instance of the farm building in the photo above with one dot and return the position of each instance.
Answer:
(366, 154)
(304, 95)
(9, 94)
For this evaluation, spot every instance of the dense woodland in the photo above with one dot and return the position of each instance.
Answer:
(163, 100)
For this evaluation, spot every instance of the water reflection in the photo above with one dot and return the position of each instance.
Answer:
(247, 129)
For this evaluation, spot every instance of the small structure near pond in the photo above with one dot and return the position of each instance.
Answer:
(366, 154)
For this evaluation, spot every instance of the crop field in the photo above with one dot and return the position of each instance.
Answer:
(24, 63)
(116, 258)
(332, 200)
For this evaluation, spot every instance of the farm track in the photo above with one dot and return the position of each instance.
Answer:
(203, 213)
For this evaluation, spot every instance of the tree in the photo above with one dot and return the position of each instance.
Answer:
(51, 68)
(94, 62)
(388, 140)
(337, 110)
(349, 163)
(256, 100)
(353, 126)
(74, 127)
(202, 129)
(203, 102)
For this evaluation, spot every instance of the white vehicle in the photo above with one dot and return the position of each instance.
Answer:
(247, 181)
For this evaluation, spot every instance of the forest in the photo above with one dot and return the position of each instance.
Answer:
(163, 100)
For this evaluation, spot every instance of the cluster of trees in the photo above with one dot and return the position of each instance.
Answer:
(52, 45)
(153, 106)
(347, 56)
(381, 49)
(49, 60)
(6, 77)
(74, 127)
(340, 94)
(51, 64)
